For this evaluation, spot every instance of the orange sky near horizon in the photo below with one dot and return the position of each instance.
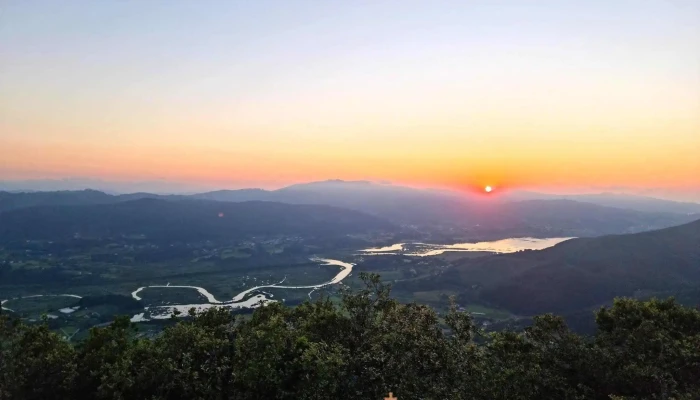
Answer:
(559, 96)
(564, 165)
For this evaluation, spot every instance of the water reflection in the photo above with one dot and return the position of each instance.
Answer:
(509, 245)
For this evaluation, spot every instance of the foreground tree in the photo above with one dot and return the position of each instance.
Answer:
(649, 349)
(362, 348)
(35, 363)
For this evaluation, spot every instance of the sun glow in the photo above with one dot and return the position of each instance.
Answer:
(488, 189)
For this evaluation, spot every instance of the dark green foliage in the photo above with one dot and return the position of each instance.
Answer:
(35, 363)
(363, 348)
(654, 347)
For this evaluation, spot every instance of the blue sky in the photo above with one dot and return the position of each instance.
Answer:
(520, 93)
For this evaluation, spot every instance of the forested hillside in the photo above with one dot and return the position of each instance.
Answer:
(182, 220)
(363, 348)
(585, 272)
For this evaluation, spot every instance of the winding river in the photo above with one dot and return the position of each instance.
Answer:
(249, 299)
(2, 303)
(237, 302)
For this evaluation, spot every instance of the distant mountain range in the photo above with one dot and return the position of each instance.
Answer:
(428, 208)
(583, 273)
(397, 203)
(113, 187)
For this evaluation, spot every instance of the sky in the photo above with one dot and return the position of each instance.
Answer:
(555, 96)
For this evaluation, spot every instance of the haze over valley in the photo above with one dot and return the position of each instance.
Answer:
(148, 255)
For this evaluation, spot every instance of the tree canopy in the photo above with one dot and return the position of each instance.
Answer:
(367, 345)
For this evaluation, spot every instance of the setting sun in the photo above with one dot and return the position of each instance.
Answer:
(488, 189)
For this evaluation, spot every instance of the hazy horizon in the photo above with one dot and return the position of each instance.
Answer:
(541, 96)
(172, 187)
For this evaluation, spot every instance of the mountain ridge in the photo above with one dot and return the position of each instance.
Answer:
(407, 206)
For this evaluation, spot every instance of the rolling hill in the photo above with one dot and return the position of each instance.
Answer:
(585, 272)
(183, 220)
